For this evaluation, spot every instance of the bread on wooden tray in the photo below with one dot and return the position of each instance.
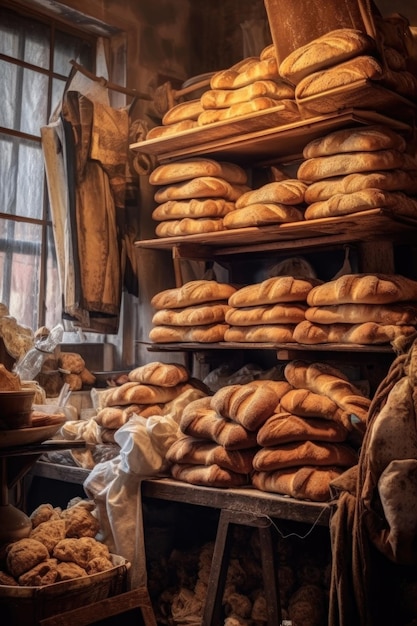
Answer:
(200, 187)
(286, 427)
(273, 290)
(187, 169)
(188, 110)
(208, 333)
(309, 404)
(197, 315)
(158, 132)
(194, 451)
(210, 475)
(194, 208)
(263, 333)
(298, 454)
(288, 110)
(302, 483)
(368, 333)
(357, 139)
(158, 373)
(189, 226)
(246, 72)
(281, 313)
(193, 292)
(262, 215)
(396, 314)
(224, 98)
(290, 191)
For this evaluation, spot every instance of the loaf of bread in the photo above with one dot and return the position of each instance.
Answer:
(288, 191)
(304, 483)
(345, 163)
(264, 333)
(287, 107)
(188, 110)
(199, 420)
(298, 454)
(209, 476)
(158, 132)
(194, 208)
(368, 333)
(189, 226)
(388, 180)
(273, 290)
(224, 98)
(286, 313)
(209, 333)
(200, 187)
(193, 451)
(160, 374)
(326, 51)
(262, 215)
(363, 200)
(188, 169)
(197, 315)
(247, 404)
(138, 393)
(364, 289)
(283, 427)
(357, 139)
(395, 314)
(191, 293)
(306, 403)
(360, 68)
(246, 72)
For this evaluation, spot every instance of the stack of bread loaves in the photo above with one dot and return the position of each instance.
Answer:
(360, 308)
(218, 442)
(194, 195)
(273, 203)
(194, 312)
(183, 116)
(247, 87)
(356, 169)
(305, 444)
(268, 311)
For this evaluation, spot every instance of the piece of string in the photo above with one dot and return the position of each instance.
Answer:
(293, 534)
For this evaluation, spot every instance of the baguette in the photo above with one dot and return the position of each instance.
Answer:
(210, 476)
(200, 187)
(364, 289)
(304, 483)
(209, 333)
(273, 290)
(171, 129)
(262, 215)
(283, 427)
(137, 393)
(287, 106)
(194, 208)
(306, 403)
(288, 191)
(268, 51)
(325, 51)
(367, 333)
(224, 98)
(189, 110)
(196, 315)
(264, 333)
(189, 226)
(298, 454)
(161, 374)
(187, 169)
(287, 313)
(247, 72)
(393, 314)
(191, 293)
(194, 451)
(362, 139)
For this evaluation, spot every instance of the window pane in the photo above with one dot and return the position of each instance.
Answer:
(9, 112)
(68, 47)
(24, 39)
(9, 147)
(24, 99)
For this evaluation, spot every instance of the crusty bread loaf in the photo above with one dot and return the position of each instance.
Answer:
(209, 476)
(247, 404)
(298, 454)
(325, 51)
(111, 417)
(360, 68)
(188, 110)
(199, 420)
(357, 139)
(283, 427)
(388, 180)
(286, 313)
(138, 393)
(246, 72)
(193, 451)
(189, 226)
(342, 164)
(398, 314)
(261, 215)
(306, 403)
(200, 187)
(187, 169)
(161, 374)
(364, 289)
(171, 129)
(264, 333)
(224, 98)
(268, 51)
(288, 109)
(288, 191)
(304, 483)
(368, 333)
(208, 333)
(363, 200)
(273, 290)
(196, 315)
(191, 293)
(195, 208)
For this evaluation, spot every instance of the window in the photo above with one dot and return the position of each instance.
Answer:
(34, 65)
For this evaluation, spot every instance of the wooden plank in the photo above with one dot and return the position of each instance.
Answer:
(243, 345)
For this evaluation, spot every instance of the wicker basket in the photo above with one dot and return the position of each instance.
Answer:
(26, 606)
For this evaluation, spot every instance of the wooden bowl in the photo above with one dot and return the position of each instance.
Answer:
(16, 409)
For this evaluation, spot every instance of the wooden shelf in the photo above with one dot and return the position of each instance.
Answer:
(247, 345)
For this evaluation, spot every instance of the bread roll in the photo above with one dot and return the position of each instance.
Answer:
(361, 139)
(200, 187)
(159, 132)
(44, 573)
(160, 374)
(286, 313)
(289, 191)
(305, 453)
(193, 451)
(389, 180)
(364, 289)
(245, 73)
(24, 554)
(189, 226)
(261, 215)
(224, 98)
(306, 403)
(191, 315)
(368, 333)
(396, 314)
(209, 333)
(273, 290)
(183, 111)
(205, 207)
(137, 393)
(210, 116)
(325, 51)
(304, 483)
(187, 169)
(342, 164)
(264, 333)
(191, 293)
(283, 428)
(210, 476)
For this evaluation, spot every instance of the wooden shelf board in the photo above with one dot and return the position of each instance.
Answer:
(244, 345)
